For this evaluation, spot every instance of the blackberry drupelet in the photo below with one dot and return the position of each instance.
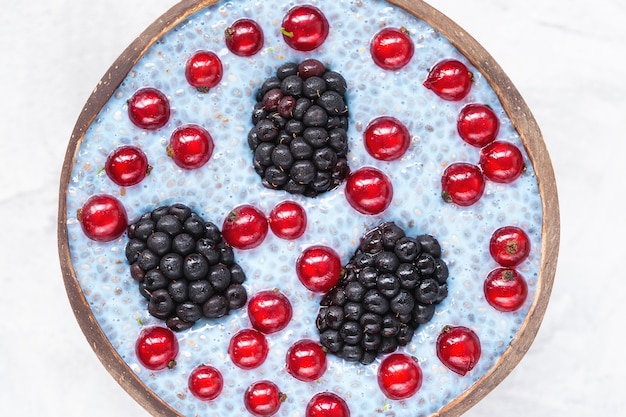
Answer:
(389, 287)
(183, 267)
(299, 140)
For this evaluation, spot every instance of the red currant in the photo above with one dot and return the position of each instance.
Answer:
(478, 124)
(127, 165)
(156, 348)
(392, 48)
(327, 404)
(458, 348)
(263, 398)
(304, 28)
(368, 190)
(245, 227)
(399, 376)
(501, 162)
(103, 218)
(269, 311)
(505, 289)
(509, 246)
(450, 80)
(306, 360)
(190, 147)
(244, 37)
(149, 108)
(318, 268)
(462, 184)
(205, 382)
(248, 349)
(204, 70)
(386, 138)
(288, 220)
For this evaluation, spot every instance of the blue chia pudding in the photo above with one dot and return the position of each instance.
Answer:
(396, 250)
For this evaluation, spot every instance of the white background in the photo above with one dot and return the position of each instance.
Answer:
(568, 59)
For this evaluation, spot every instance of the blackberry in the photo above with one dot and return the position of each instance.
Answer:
(389, 287)
(298, 140)
(183, 268)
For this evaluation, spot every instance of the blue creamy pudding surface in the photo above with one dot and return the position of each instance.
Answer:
(229, 180)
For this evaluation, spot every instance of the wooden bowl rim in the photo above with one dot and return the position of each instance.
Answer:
(513, 104)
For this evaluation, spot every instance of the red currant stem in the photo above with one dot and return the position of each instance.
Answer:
(405, 31)
(286, 32)
(228, 32)
(171, 364)
(203, 90)
(79, 214)
(446, 329)
(446, 197)
(139, 321)
(100, 171)
(149, 169)
(169, 151)
(282, 397)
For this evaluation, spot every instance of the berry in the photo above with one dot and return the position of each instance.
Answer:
(244, 37)
(190, 146)
(327, 404)
(369, 191)
(501, 162)
(304, 28)
(156, 348)
(299, 140)
(288, 220)
(127, 165)
(318, 268)
(505, 289)
(149, 108)
(458, 348)
(248, 349)
(183, 267)
(386, 138)
(392, 48)
(245, 227)
(450, 79)
(306, 360)
(509, 246)
(462, 184)
(263, 398)
(380, 301)
(269, 311)
(205, 382)
(477, 124)
(399, 376)
(203, 70)
(103, 218)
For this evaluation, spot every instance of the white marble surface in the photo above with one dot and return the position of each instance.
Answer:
(568, 60)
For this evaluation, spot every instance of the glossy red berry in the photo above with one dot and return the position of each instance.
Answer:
(368, 190)
(204, 70)
(156, 348)
(245, 227)
(505, 289)
(127, 165)
(269, 311)
(205, 382)
(103, 218)
(248, 348)
(244, 37)
(288, 220)
(458, 348)
(386, 138)
(399, 376)
(462, 184)
(478, 124)
(327, 404)
(306, 360)
(501, 162)
(318, 268)
(304, 28)
(450, 79)
(190, 147)
(263, 398)
(149, 108)
(392, 48)
(509, 246)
